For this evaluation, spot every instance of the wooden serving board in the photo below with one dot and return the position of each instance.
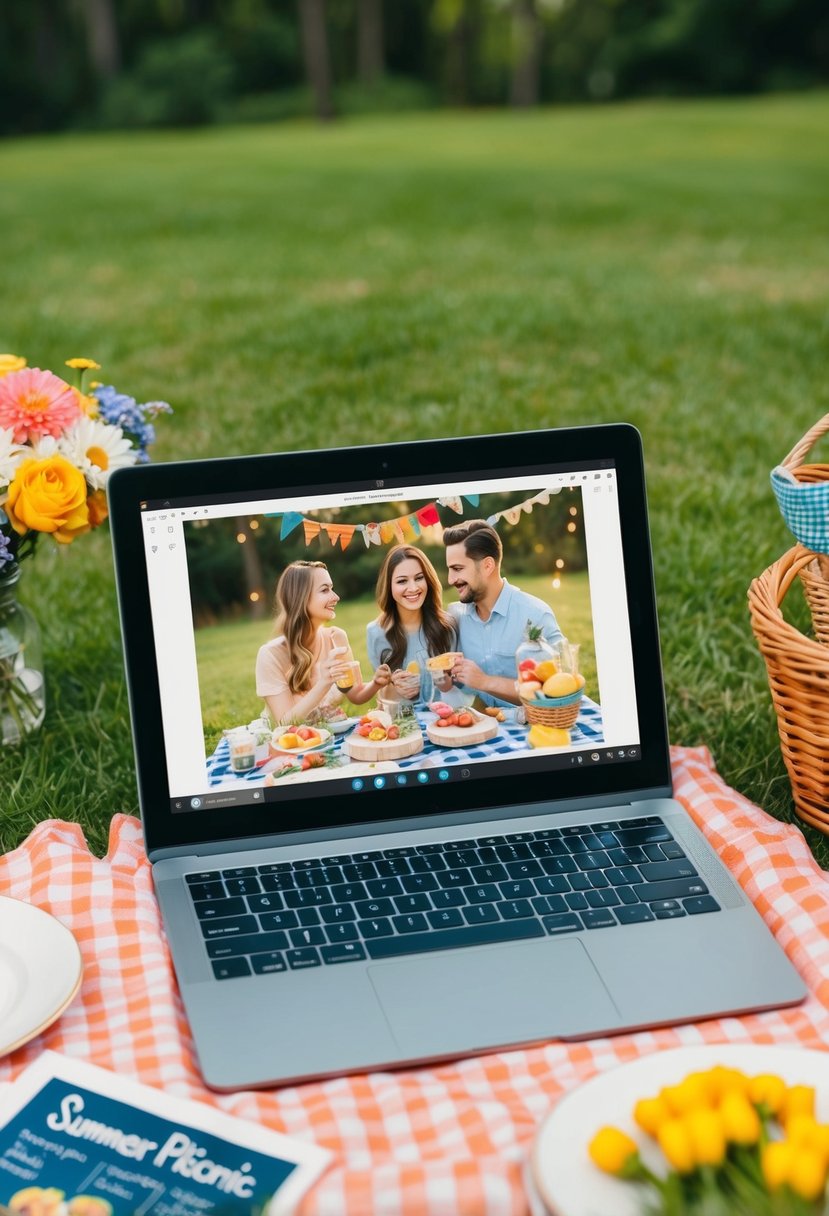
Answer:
(359, 748)
(484, 727)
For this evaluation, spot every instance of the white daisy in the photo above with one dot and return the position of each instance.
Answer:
(11, 454)
(96, 448)
(43, 448)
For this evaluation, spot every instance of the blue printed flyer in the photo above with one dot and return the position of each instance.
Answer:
(76, 1140)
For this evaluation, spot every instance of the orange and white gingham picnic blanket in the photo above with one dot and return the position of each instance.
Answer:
(444, 1141)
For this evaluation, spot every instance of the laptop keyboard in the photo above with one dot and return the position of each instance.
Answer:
(264, 919)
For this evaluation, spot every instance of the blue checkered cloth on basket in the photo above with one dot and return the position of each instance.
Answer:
(510, 740)
(805, 508)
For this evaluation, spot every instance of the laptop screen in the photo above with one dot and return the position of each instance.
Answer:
(359, 649)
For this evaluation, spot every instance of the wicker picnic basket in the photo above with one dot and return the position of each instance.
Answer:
(802, 492)
(798, 671)
(554, 711)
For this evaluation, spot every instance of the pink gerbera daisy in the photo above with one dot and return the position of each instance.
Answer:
(34, 403)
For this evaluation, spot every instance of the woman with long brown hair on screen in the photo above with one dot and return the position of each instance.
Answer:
(413, 625)
(297, 670)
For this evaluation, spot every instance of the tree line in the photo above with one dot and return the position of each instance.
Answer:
(233, 564)
(122, 63)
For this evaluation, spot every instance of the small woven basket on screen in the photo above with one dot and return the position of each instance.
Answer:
(798, 671)
(554, 711)
(802, 492)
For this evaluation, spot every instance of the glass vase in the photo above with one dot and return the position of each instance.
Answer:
(22, 689)
(535, 658)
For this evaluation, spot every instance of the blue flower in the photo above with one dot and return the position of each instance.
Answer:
(6, 555)
(120, 410)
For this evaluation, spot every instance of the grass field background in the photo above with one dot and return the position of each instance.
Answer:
(226, 653)
(294, 287)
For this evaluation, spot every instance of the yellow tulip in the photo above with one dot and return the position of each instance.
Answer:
(707, 1084)
(805, 1132)
(705, 1130)
(612, 1150)
(767, 1090)
(675, 1142)
(650, 1114)
(799, 1100)
(722, 1080)
(740, 1121)
(807, 1173)
(687, 1095)
(775, 1162)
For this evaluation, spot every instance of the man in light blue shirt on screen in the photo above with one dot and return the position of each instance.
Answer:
(492, 615)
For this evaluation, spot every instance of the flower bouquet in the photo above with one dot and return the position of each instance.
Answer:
(59, 442)
(735, 1145)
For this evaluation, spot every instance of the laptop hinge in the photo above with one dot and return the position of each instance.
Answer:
(422, 823)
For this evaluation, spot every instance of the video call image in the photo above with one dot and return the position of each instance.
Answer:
(374, 642)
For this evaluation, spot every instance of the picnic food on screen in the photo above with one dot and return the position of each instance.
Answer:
(447, 716)
(443, 681)
(442, 662)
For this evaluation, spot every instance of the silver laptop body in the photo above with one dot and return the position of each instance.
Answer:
(275, 986)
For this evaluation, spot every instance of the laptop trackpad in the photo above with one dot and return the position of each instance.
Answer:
(461, 1001)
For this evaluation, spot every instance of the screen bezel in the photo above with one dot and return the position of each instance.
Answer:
(272, 476)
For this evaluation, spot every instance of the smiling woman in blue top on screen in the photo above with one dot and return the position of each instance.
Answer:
(413, 624)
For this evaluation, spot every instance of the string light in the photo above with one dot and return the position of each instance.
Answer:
(559, 563)
(571, 527)
(556, 583)
(574, 510)
(241, 538)
(254, 595)
(254, 523)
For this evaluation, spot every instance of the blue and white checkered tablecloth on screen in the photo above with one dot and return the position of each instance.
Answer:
(510, 740)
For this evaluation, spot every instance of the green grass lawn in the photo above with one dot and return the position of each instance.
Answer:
(408, 277)
(226, 652)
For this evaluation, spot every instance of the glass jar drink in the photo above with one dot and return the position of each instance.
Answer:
(349, 676)
(242, 751)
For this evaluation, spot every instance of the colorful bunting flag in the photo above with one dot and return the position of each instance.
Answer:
(290, 520)
(404, 528)
(453, 502)
(428, 515)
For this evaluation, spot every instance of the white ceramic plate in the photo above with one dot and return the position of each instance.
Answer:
(567, 1180)
(340, 725)
(324, 740)
(40, 971)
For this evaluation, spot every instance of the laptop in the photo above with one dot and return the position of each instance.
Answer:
(410, 904)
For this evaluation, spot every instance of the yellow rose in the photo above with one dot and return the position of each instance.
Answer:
(48, 496)
(11, 363)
